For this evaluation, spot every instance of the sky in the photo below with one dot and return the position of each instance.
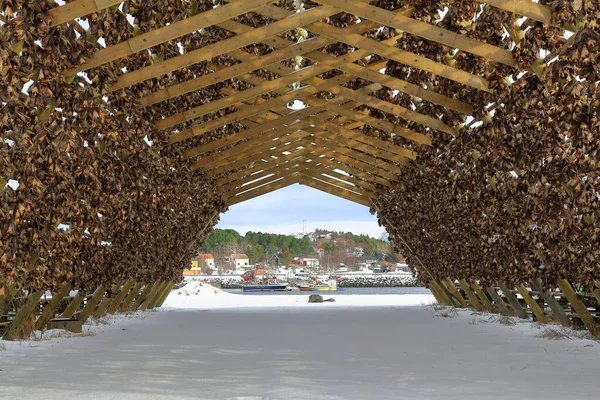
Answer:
(283, 211)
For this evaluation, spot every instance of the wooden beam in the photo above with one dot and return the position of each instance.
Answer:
(23, 324)
(424, 30)
(365, 166)
(335, 191)
(320, 158)
(73, 305)
(116, 303)
(404, 57)
(586, 317)
(290, 180)
(383, 145)
(245, 134)
(533, 305)
(440, 294)
(265, 179)
(535, 11)
(165, 294)
(253, 150)
(91, 304)
(324, 172)
(6, 296)
(251, 158)
(513, 301)
(51, 307)
(225, 46)
(334, 182)
(388, 107)
(130, 298)
(339, 145)
(166, 33)
(451, 288)
(243, 176)
(197, 130)
(548, 297)
(156, 290)
(482, 296)
(505, 309)
(273, 138)
(78, 9)
(472, 297)
(244, 183)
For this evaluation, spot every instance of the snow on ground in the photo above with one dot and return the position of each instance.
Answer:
(201, 295)
(317, 351)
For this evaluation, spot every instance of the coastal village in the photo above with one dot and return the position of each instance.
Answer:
(329, 253)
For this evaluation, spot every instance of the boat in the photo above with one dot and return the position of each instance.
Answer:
(269, 287)
(329, 286)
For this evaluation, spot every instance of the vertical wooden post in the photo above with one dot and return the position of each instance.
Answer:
(480, 293)
(454, 292)
(472, 298)
(92, 303)
(6, 296)
(513, 301)
(579, 307)
(23, 324)
(156, 288)
(165, 294)
(116, 303)
(145, 293)
(73, 305)
(548, 297)
(535, 307)
(127, 302)
(159, 295)
(504, 308)
(51, 307)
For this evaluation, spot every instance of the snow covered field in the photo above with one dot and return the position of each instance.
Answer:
(286, 350)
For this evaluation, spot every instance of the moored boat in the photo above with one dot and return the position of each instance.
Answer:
(270, 287)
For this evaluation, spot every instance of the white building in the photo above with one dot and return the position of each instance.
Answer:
(238, 261)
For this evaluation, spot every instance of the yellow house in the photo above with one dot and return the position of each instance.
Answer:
(196, 266)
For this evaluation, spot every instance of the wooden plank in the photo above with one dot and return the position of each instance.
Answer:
(335, 191)
(6, 296)
(23, 324)
(403, 57)
(71, 325)
(472, 297)
(265, 182)
(158, 296)
(223, 46)
(361, 137)
(326, 171)
(388, 107)
(334, 182)
(252, 62)
(245, 175)
(267, 169)
(266, 141)
(365, 166)
(513, 301)
(197, 130)
(92, 304)
(321, 158)
(292, 179)
(73, 305)
(339, 146)
(100, 311)
(78, 9)
(579, 307)
(595, 291)
(505, 309)
(424, 30)
(557, 309)
(526, 8)
(127, 303)
(156, 289)
(451, 287)
(166, 33)
(256, 157)
(266, 178)
(142, 297)
(482, 296)
(533, 305)
(165, 294)
(116, 303)
(51, 307)
(440, 295)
